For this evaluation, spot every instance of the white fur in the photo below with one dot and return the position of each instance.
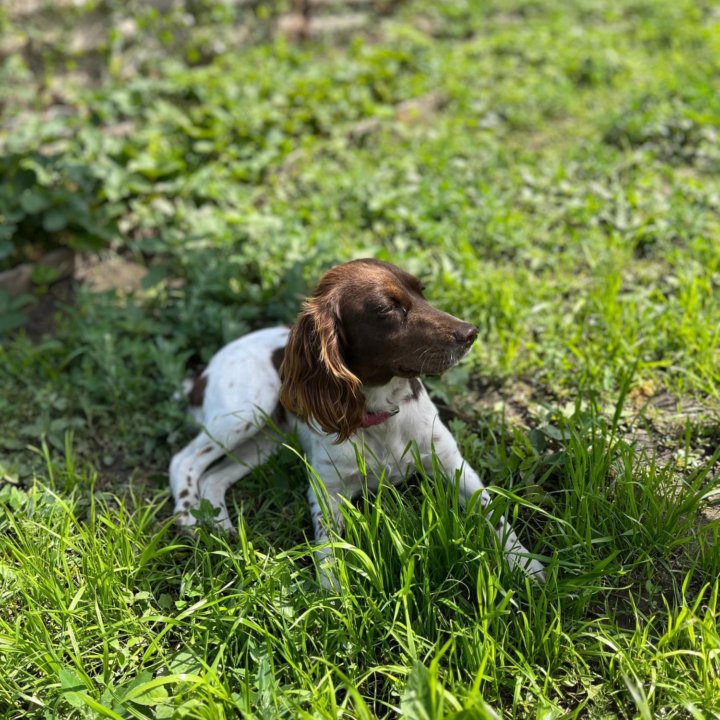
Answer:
(242, 393)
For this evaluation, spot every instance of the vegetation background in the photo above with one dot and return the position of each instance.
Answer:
(550, 170)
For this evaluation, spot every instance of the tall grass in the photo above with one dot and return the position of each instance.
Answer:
(109, 612)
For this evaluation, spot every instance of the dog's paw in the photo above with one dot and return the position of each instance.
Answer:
(534, 570)
(184, 518)
(326, 570)
(189, 515)
(329, 581)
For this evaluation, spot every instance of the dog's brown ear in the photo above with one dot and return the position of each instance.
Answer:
(316, 383)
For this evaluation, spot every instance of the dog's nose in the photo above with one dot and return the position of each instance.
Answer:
(466, 334)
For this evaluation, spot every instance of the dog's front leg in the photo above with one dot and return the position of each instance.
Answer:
(326, 514)
(469, 483)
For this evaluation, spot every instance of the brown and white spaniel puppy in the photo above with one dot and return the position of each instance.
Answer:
(345, 379)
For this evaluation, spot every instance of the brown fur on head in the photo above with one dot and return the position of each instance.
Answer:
(366, 323)
(316, 383)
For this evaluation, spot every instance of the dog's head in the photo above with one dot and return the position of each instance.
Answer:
(366, 323)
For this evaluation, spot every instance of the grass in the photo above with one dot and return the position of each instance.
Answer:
(110, 612)
(550, 171)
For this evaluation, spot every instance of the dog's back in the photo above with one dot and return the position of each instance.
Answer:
(231, 401)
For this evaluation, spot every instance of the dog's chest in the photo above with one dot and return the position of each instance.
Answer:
(388, 452)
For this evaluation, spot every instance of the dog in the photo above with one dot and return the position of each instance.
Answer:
(345, 378)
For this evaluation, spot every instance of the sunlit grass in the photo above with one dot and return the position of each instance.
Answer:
(560, 192)
(109, 610)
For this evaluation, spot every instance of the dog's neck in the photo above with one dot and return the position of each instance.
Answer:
(384, 401)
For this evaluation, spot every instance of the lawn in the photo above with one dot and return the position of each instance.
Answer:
(550, 170)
